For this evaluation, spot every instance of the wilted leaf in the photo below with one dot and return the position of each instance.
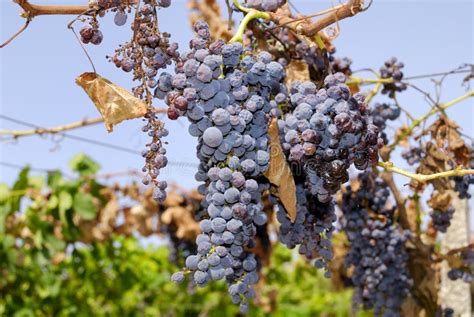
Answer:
(399, 136)
(182, 218)
(440, 201)
(114, 103)
(412, 214)
(279, 172)
(173, 199)
(84, 206)
(297, 70)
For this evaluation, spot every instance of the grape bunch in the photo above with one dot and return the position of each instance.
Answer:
(148, 52)
(466, 271)
(447, 312)
(264, 5)
(341, 65)
(226, 96)
(392, 70)
(325, 132)
(381, 113)
(312, 229)
(414, 155)
(90, 33)
(462, 183)
(441, 219)
(377, 251)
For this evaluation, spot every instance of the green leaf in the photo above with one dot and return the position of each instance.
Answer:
(36, 182)
(84, 205)
(20, 184)
(65, 201)
(4, 192)
(53, 202)
(54, 179)
(84, 165)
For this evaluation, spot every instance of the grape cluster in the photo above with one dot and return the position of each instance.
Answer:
(155, 155)
(90, 33)
(466, 271)
(381, 113)
(448, 312)
(441, 219)
(264, 5)
(462, 183)
(341, 65)
(392, 70)
(310, 54)
(377, 250)
(325, 132)
(147, 53)
(312, 229)
(226, 96)
(413, 155)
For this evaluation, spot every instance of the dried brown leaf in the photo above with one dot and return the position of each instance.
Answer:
(440, 201)
(411, 214)
(279, 172)
(399, 133)
(114, 103)
(182, 218)
(173, 199)
(296, 70)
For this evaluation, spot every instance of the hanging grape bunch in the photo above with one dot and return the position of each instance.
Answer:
(391, 70)
(377, 251)
(226, 97)
(326, 132)
(90, 33)
(148, 52)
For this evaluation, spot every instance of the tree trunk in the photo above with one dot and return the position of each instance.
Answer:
(456, 294)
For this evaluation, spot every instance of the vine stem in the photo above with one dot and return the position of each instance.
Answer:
(241, 7)
(422, 178)
(365, 81)
(373, 92)
(70, 126)
(424, 117)
(249, 16)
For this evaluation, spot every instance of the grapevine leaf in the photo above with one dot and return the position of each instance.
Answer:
(114, 103)
(297, 70)
(65, 202)
(84, 205)
(4, 192)
(183, 219)
(279, 172)
(36, 182)
(20, 184)
(54, 179)
(84, 165)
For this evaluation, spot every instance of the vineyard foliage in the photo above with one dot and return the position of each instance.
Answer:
(49, 270)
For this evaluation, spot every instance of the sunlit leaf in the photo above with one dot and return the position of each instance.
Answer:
(114, 103)
(279, 172)
(84, 205)
(84, 165)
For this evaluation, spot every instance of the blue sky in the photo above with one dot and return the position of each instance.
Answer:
(38, 70)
